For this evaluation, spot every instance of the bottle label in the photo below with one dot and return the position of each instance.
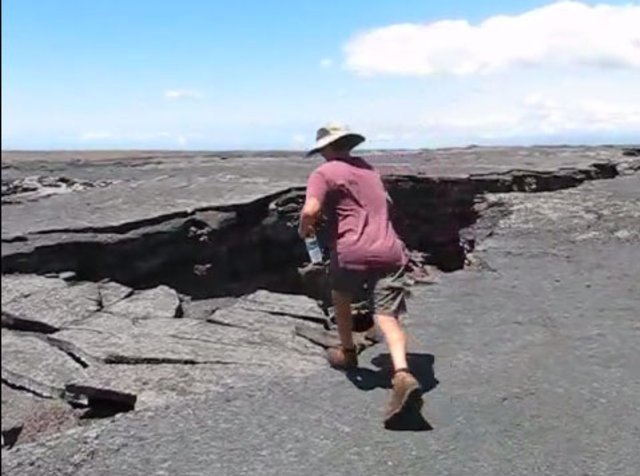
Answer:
(313, 248)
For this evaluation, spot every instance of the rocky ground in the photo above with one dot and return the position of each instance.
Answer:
(155, 319)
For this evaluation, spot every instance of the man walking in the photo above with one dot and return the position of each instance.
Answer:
(365, 253)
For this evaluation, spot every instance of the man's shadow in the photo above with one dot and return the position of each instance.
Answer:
(421, 366)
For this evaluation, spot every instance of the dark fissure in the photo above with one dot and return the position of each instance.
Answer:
(233, 250)
(236, 249)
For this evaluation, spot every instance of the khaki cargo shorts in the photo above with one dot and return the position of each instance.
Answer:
(386, 291)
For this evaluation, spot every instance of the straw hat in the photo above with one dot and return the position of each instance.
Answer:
(332, 133)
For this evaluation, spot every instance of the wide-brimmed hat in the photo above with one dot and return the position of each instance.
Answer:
(332, 133)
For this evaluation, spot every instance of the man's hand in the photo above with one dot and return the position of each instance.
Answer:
(309, 217)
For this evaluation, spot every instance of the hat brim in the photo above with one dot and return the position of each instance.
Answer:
(351, 140)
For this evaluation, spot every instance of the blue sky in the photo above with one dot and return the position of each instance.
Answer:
(192, 74)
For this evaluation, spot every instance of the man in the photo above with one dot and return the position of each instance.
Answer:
(365, 253)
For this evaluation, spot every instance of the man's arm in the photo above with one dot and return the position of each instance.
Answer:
(317, 188)
(390, 204)
(309, 216)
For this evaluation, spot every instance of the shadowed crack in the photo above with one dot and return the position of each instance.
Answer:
(216, 322)
(70, 349)
(12, 382)
(129, 360)
(15, 322)
(235, 249)
(60, 345)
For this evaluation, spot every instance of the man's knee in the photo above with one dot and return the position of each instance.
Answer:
(341, 299)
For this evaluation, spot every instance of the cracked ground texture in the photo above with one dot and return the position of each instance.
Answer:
(532, 353)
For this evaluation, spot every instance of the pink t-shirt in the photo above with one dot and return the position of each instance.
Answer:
(357, 205)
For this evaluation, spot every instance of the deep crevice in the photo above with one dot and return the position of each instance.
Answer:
(236, 249)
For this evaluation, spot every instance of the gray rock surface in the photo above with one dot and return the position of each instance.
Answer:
(31, 363)
(121, 340)
(111, 293)
(211, 228)
(36, 303)
(35, 188)
(26, 417)
(204, 308)
(15, 286)
(161, 301)
(288, 306)
(179, 185)
(155, 385)
(529, 355)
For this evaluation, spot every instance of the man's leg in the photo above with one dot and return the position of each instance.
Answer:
(389, 298)
(342, 306)
(406, 393)
(389, 302)
(345, 357)
(395, 338)
(343, 285)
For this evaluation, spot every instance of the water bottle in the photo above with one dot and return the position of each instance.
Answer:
(313, 248)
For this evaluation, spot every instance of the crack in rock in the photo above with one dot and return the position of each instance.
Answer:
(239, 248)
(51, 305)
(112, 342)
(31, 363)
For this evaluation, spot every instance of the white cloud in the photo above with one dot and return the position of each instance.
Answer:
(182, 140)
(96, 135)
(566, 33)
(540, 115)
(181, 94)
(326, 63)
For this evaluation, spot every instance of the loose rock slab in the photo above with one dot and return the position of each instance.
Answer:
(112, 292)
(30, 363)
(287, 305)
(25, 416)
(35, 303)
(160, 302)
(149, 385)
(115, 339)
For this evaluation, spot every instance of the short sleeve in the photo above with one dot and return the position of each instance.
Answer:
(317, 186)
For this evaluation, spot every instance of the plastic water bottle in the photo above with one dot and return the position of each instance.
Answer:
(313, 248)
